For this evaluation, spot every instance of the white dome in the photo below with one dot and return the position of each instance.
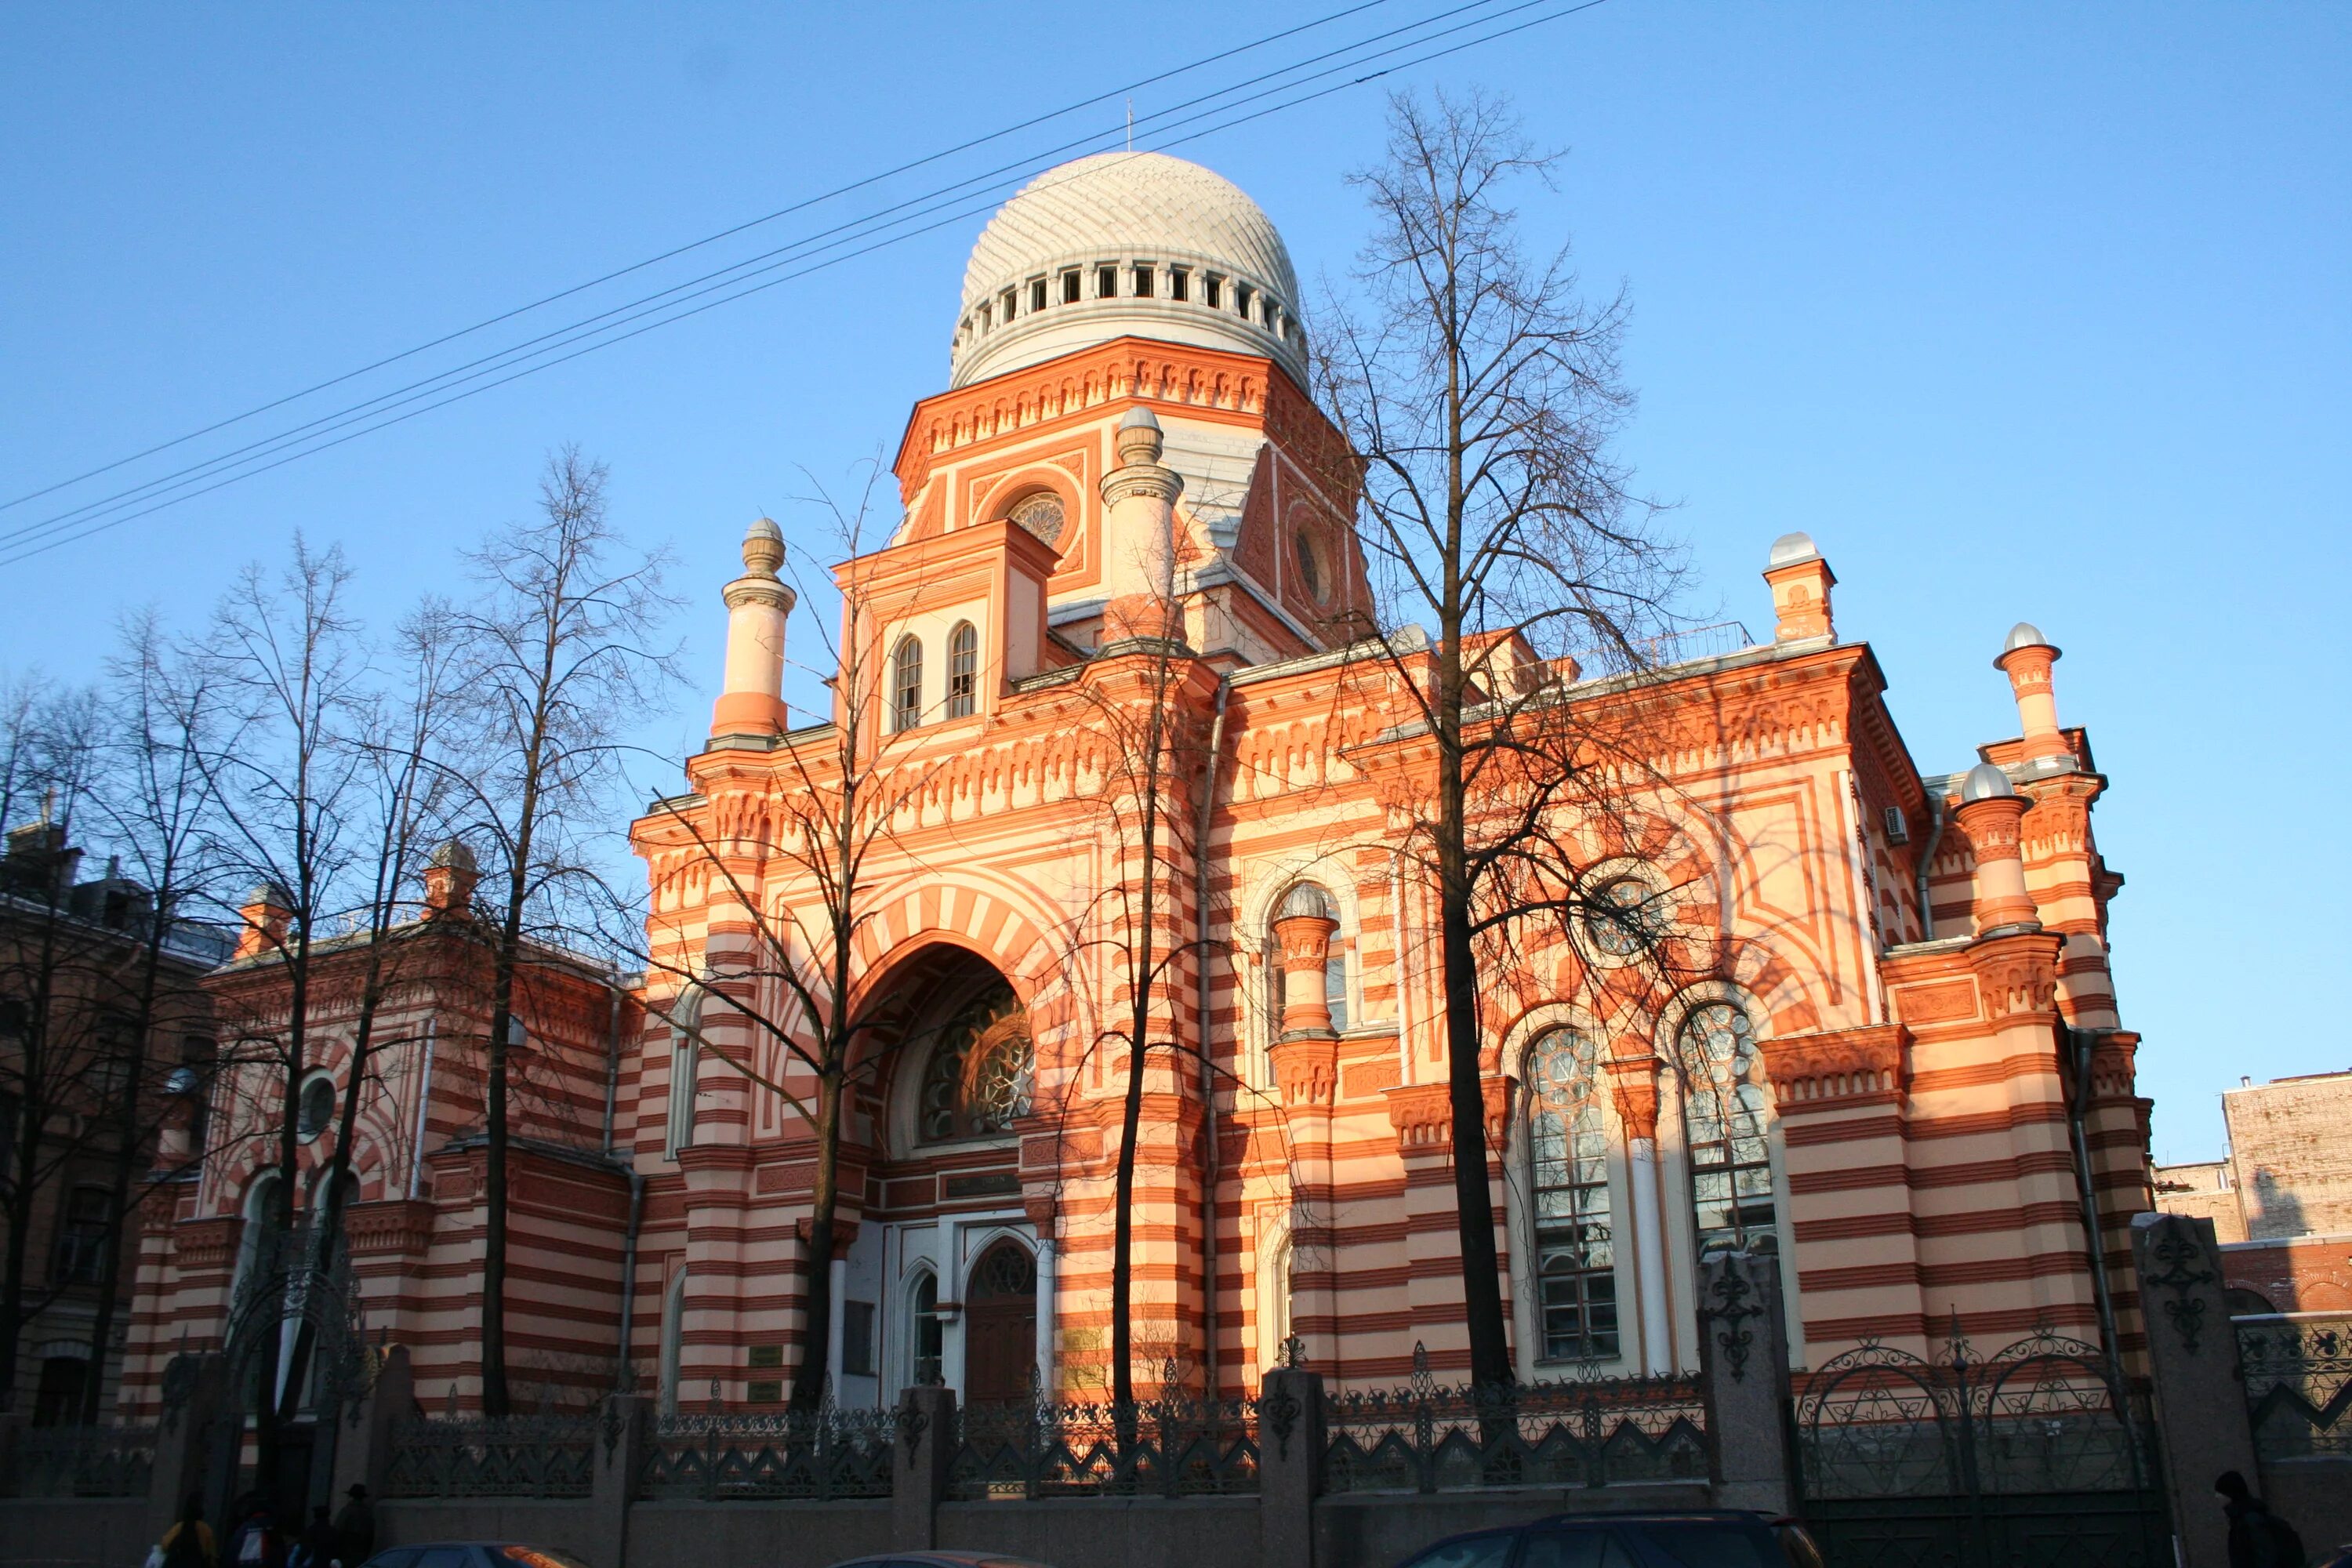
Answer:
(1155, 223)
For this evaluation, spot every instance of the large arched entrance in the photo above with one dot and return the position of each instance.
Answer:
(1001, 1325)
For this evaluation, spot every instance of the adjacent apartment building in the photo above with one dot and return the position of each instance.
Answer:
(2281, 1201)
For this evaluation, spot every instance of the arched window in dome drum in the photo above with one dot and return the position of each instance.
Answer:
(1036, 293)
(963, 669)
(1180, 284)
(1568, 1158)
(1212, 291)
(1070, 286)
(1106, 281)
(1733, 1204)
(1143, 280)
(906, 683)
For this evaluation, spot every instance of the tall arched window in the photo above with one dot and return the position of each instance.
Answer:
(673, 1340)
(1724, 1118)
(1274, 1299)
(684, 1073)
(906, 683)
(978, 1079)
(1575, 1241)
(963, 669)
(260, 1198)
(927, 1336)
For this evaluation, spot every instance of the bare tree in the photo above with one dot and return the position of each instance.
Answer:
(1479, 393)
(560, 660)
(800, 874)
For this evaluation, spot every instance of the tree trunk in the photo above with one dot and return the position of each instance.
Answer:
(816, 1264)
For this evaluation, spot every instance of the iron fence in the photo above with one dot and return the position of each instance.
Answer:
(1175, 1446)
(547, 1455)
(806, 1456)
(2298, 1374)
(82, 1462)
(1590, 1431)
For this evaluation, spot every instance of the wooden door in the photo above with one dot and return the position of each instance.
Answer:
(1001, 1326)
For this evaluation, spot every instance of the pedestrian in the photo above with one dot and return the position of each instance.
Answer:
(2258, 1538)
(355, 1529)
(260, 1545)
(189, 1542)
(317, 1549)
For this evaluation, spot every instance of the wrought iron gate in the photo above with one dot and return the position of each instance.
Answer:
(2031, 1459)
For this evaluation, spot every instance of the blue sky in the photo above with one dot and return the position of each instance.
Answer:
(2021, 311)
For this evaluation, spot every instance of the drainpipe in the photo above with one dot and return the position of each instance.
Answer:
(1927, 863)
(423, 1102)
(612, 1065)
(1404, 981)
(620, 1378)
(1208, 1076)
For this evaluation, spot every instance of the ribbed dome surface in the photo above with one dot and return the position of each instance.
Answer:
(1123, 211)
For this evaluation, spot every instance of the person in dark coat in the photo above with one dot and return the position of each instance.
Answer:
(2258, 1538)
(355, 1529)
(317, 1548)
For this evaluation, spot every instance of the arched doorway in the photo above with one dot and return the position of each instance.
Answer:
(1001, 1325)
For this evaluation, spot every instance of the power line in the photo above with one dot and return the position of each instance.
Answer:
(19, 544)
(190, 477)
(708, 239)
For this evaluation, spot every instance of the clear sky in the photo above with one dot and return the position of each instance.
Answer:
(2023, 311)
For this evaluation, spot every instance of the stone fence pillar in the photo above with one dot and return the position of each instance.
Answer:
(363, 1450)
(620, 1455)
(196, 1409)
(2201, 1393)
(919, 1479)
(1743, 1374)
(1289, 1463)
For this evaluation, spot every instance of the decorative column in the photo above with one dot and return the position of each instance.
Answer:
(2027, 660)
(1991, 813)
(1633, 1082)
(1139, 535)
(1801, 582)
(757, 607)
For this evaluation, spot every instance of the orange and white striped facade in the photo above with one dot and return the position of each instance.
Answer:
(1864, 1040)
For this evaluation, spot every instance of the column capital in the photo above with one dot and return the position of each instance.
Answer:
(1422, 1115)
(1831, 1069)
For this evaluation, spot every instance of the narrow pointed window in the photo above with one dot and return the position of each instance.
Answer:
(963, 669)
(906, 683)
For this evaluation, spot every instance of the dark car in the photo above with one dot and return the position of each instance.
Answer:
(475, 1554)
(1692, 1538)
(940, 1560)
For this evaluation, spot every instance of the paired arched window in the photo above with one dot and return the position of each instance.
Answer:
(1568, 1182)
(1724, 1115)
(978, 1079)
(963, 669)
(906, 683)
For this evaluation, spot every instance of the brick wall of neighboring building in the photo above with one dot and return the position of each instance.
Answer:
(2203, 1190)
(2288, 1155)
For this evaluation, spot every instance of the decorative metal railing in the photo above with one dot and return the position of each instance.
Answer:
(513, 1456)
(1428, 1437)
(1175, 1446)
(82, 1461)
(2298, 1384)
(814, 1456)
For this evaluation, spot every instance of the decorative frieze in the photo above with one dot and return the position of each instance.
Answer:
(1820, 1072)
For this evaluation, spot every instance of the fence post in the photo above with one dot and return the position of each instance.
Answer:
(919, 1462)
(1289, 1463)
(2200, 1395)
(196, 1397)
(617, 1460)
(1743, 1375)
(363, 1454)
(11, 1423)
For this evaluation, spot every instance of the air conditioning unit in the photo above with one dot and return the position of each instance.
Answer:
(1896, 831)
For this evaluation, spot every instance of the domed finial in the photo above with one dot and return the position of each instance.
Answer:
(1139, 439)
(763, 548)
(1791, 547)
(1985, 782)
(2025, 633)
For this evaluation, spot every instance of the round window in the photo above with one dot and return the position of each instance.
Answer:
(1622, 917)
(1041, 514)
(316, 1107)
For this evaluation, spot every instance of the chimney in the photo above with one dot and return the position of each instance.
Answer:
(757, 607)
(1801, 582)
(450, 875)
(268, 912)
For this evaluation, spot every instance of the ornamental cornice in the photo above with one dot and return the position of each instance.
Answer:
(402, 1226)
(2017, 976)
(1422, 1115)
(1819, 1071)
(206, 1243)
(1307, 1068)
(764, 590)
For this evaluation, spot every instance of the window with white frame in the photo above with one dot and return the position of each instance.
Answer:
(926, 1333)
(906, 683)
(1568, 1181)
(1734, 1206)
(685, 1070)
(963, 669)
